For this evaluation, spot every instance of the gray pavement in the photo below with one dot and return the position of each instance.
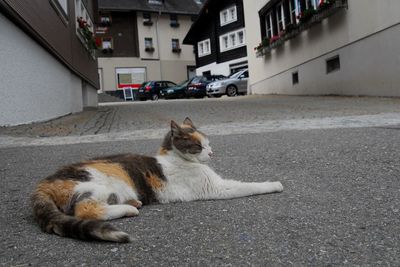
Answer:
(339, 164)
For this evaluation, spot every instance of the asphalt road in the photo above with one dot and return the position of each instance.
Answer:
(340, 205)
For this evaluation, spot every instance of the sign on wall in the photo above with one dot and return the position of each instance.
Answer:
(130, 77)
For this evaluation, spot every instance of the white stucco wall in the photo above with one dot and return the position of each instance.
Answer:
(220, 68)
(34, 85)
(365, 36)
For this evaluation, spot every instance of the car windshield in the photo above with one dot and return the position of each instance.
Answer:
(146, 84)
(235, 75)
(197, 79)
(184, 83)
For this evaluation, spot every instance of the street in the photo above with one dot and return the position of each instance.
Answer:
(337, 158)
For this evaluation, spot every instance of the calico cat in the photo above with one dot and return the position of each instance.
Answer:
(77, 199)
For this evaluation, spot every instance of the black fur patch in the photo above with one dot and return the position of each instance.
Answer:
(73, 172)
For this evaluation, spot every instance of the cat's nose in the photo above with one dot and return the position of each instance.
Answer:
(210, 153)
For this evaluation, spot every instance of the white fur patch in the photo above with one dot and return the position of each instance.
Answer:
(102, 186)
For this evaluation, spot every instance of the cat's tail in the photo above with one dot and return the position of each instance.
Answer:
(52, 220)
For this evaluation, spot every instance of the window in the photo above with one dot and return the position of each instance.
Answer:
(225, 43)
(203, 48)
(155, 2)
(148, 44)
(82, 16)
(332, 64)
(106, 43)
(280, 17)
(175, 46)
(268, 23)
(61, 7)
(105, 20)
(314, 4)
(232, 40)
(228, 15)
(64, 5)
(293, 9)
(174, 21)
(147, 19)
(295, 77)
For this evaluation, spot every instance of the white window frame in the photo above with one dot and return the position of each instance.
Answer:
(204, 48)
(224, 20)
(294, 10)
(269, 30)
(314, 4)
(107, 42)
(64, 5)
(280, 11)
(81, 11)
(233, 40)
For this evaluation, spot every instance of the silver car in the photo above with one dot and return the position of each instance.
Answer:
(232, 86)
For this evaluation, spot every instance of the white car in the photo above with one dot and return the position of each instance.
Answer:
(234, 85)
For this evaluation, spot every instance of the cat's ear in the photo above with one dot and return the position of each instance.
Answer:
(175, 129)
(189, 122)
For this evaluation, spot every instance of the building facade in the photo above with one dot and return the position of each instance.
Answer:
(48, 68)
(314, 47)
(219, 38)
(142, 40)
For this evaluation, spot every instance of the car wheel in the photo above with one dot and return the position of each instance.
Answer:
(154, 97)
(231, 90)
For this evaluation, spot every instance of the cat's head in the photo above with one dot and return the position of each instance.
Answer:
(187, 142)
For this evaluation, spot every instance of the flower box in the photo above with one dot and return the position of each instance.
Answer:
(149, 49)
(329, 8)
(147, 22)
(176, 50)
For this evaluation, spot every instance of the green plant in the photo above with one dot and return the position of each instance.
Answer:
(86, 34)
(306, 15)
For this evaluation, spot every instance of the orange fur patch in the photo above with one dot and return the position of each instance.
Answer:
(198, 136)
(112, 169)
(163, 151)
(89, 210)
(154, 182)
(59, 190)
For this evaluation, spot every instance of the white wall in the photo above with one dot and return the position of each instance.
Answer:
(220, 68)
(34, 85)
(365, 37)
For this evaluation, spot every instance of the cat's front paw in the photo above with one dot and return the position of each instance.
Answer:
(278, 186)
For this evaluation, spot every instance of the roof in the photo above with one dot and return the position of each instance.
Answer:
(203, 16)
(185, 7)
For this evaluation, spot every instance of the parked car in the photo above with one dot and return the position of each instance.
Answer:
(197, 87)
(178, 91)
(232, 86)
(151, 89)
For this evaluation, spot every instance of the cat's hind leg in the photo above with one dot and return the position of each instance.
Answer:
(91, 209)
